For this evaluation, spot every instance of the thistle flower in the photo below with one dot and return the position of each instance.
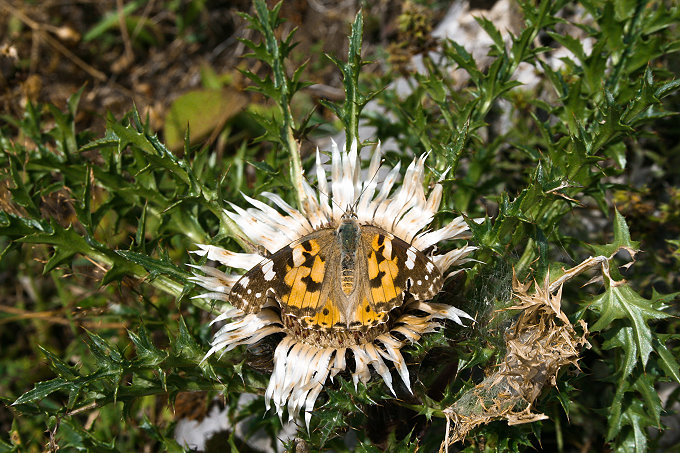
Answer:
(353, 273)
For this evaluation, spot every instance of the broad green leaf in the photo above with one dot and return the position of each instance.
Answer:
(202, 111)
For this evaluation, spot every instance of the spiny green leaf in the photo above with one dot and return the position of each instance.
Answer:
(118, 271)
(147, 353)
(18, 227)
(103, 350)
(66, 241)
(493, 33)
(43, 389)
(156, 267)
(59, 366)
(355, 100)
(263, 167)
(668, 362)
(185, 346)
(169, 445)
(636, 418)
(622, 239)
(75, 436)
(667, 89)
(622, 337)
(644, 385)
(620, 301)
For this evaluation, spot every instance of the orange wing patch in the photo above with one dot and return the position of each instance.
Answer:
(365, 316)
(304, 276)
(383, 269)
(326, 318)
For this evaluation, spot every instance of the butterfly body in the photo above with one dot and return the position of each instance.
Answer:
(347, 236)
(345, 277)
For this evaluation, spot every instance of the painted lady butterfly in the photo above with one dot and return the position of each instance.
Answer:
(348, 277)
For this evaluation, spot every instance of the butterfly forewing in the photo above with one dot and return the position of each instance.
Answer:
(395, 266)
(293, 274)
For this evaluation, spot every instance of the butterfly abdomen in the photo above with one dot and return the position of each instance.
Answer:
(347, 275)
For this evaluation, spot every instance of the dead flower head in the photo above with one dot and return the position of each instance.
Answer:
(540, 342)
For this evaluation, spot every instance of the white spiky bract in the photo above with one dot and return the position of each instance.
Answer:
(300, 368)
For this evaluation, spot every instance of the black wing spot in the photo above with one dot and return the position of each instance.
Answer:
(380, 257)
(377, 281)
(325, 312)
(311, 285)
(309, 259)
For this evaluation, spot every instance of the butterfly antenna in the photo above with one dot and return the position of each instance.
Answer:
(352, 208)
(356, 201)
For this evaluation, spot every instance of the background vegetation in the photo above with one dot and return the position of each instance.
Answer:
(101, 343)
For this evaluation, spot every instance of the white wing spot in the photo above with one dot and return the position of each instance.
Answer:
(427, 277)
(258, 295)
(268, 270)
(411, 258)
(250, 290)
(387, 252)
(419, 282)
(298, 257)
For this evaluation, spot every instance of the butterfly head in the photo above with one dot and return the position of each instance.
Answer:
(348, 224)
(350, 213)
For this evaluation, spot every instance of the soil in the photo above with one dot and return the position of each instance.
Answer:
(147, 53)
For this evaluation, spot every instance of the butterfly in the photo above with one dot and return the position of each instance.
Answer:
(345, 277)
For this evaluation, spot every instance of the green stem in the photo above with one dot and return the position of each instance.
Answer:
(613, 79)
(267, 21)
(353, 101)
